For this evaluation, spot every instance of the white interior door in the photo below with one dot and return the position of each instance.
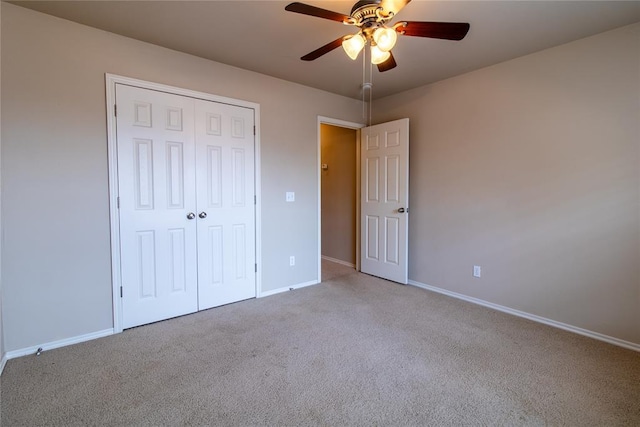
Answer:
(385, 200)
(186, 189)
(226, 203)
(156, 178)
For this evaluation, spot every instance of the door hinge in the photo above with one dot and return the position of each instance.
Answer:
(115, 110)
(118, 201)
(254, 130)
(120, 291)
(255, 200)
(256, 267)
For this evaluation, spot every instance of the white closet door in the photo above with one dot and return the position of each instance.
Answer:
(225, 182)
(156, 178)
(385, 200)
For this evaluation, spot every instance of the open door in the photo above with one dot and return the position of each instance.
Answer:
(385, 200)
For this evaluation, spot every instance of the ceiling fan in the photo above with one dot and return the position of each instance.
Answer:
(372, 17)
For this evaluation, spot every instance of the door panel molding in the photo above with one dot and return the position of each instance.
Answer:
(173, 121)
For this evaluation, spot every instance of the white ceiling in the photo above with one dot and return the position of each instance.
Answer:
(263, 37)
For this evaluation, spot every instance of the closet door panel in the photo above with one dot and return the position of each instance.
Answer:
(156, 187)
(225, 185)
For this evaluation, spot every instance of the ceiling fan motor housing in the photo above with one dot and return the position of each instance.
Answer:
(365, 3)
(366, 15)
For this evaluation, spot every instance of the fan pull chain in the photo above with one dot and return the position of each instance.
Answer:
(364, 83)
(367, 86)
(366, 109)
(370, 92)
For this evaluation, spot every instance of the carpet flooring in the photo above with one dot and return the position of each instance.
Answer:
(354, 350)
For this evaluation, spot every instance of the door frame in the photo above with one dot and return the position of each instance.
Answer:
(322, 120)
(114, 220)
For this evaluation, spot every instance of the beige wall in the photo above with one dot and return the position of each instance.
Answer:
(531, 169)
(528, 168)
(338, 151)
(56, 255)
(1, 322)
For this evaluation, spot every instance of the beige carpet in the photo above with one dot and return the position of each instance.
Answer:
(353, 350)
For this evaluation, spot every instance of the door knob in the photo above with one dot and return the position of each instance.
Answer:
(191, 215)
(401, 210)
(203, 215)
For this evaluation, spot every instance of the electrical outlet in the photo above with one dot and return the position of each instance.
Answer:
(477, 271)
(290, 196)
(292, 261)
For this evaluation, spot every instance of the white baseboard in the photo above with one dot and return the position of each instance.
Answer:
(3, 362)
(535, 318)
(338, 261)
(57, 344)
(287, 288)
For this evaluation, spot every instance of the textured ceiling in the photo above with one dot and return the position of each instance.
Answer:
(261, 36)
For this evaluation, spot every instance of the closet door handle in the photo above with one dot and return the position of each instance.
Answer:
(401, 210)
(191, 215)
(203, 215)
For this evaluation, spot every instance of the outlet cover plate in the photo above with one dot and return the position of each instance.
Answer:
(477, 271)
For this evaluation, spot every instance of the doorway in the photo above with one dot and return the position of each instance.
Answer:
(382, 198)
(339, 192)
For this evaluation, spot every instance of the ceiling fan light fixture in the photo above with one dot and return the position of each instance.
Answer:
(385, 38)
(378, 56)
(353, 45)
(373, 20)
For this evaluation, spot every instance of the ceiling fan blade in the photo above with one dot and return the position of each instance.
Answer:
(435, 30)
(306, 9)
(322, 50)
(393, 5)
(388, 64)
